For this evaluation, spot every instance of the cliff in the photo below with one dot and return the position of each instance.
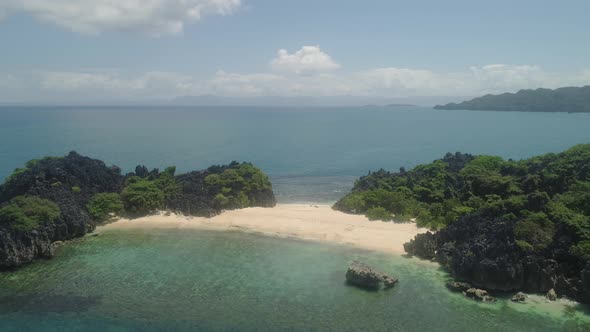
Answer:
(501, 225)
(60, 198)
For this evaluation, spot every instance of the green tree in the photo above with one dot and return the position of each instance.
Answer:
(26, 213)
(378, 213)
(536, 231)
(102, 205)
(142, 196)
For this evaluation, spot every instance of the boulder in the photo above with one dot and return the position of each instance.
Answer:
(361, 275)
(551, 295)
(479, 294)
(457, 286)
(519, 297)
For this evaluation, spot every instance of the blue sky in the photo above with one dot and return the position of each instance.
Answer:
(60, 50)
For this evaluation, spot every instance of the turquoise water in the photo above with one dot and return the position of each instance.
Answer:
(312, 155)
(176, 280)
(173, 281)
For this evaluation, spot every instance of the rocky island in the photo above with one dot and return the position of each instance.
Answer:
(568, 99)
(55, 199)
(499, 225)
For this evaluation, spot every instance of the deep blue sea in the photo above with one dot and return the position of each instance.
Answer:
(311, 154)
(187, 280)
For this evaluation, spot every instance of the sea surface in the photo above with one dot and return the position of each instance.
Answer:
(171, 280)
(311, 154)
(179, 280)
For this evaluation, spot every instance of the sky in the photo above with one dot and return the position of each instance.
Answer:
(72, 51)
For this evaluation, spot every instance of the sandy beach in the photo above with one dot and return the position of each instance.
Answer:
(308, 222)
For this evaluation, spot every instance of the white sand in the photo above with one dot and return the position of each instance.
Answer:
(308, 222)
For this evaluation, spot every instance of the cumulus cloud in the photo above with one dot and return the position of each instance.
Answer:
(156, 17)
(307, 60)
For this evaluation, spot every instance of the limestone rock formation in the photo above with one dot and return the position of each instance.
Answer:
(361, 275)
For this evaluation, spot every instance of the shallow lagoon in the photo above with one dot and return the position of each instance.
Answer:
(155, 280)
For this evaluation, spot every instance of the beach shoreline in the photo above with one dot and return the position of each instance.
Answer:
(312, 222)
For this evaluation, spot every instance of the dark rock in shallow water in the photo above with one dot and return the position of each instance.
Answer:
(457, 286)
(479, 294)
(519, 297)
(361, 275)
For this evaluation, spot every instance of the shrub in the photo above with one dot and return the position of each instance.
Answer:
(76, 189)
(142, 196)
(232, 187)
(25, 213)
(378, 213)
(167, 183)
(581, 250)
(536, 230)
(102, 205)
(220, 201)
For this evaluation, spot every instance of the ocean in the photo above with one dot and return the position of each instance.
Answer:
(176, 280)
(312, 154)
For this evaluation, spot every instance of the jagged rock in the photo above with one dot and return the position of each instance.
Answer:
(54, 179)
(423, 246)
(551, 295)
(584, 284)
(361, 275)
(519, 297)
(479, 294)
(457, 286)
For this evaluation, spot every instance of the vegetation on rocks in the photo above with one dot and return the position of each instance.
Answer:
(102, 205)
(25, 213)
(503, 224)
(59, 198)
(568, 99)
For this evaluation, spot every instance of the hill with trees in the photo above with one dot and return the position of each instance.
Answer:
(60, 198)
(500, 224)
(568, 99)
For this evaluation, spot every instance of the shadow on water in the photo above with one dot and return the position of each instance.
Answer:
(46, 303)
(366, 289)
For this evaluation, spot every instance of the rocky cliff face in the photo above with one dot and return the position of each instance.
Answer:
(71, 181)
(484, 253)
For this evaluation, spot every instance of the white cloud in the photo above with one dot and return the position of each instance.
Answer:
(154, 84)
(307, 72)
(239, 85)
(156, 17)
(501, 77)
(307, 60)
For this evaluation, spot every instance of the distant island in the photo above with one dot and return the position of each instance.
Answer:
(568, 99)
(389, 105)
(54, 199)
(501, 225)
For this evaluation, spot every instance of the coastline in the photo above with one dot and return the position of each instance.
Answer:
(300, 221)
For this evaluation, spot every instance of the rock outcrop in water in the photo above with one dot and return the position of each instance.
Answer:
(67, 185)
(361, 275)
(479, 294)
(519, 297)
